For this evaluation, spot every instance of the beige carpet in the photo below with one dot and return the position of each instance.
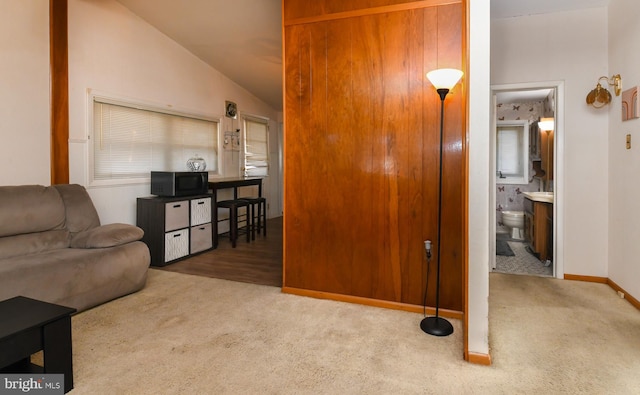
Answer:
(185, 334)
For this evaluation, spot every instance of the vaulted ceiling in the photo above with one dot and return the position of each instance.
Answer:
(243, 38)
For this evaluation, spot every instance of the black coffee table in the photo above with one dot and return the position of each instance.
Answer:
(28, 326)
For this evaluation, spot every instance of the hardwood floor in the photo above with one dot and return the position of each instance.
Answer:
(257, 262)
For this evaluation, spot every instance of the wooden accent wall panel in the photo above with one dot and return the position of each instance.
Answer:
(362, 152)
(58, 44)
(313, 9)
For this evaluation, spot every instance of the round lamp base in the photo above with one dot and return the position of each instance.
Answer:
(436, 326)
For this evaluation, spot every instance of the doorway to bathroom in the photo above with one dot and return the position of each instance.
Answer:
(526, 194)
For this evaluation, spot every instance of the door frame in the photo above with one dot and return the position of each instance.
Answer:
(558, 170)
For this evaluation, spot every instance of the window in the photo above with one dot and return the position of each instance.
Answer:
(512, 152)
(129, 141)
(256, 147)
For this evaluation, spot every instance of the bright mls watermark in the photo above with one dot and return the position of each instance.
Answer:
(41, 384)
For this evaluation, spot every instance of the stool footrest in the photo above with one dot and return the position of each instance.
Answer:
(259, 221)
(233, 206)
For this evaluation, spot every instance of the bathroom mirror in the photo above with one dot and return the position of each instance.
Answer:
(512, 152)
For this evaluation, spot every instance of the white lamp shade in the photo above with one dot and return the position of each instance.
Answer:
(444, 78)
(546, 124)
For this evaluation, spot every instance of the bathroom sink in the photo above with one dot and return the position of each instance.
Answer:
(546, 197)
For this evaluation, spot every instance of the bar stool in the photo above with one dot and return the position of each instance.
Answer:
(261, 203)
(233, 206)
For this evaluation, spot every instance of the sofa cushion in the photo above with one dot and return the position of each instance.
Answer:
(81, 214)
(107, 236)
(29, 209)
(78, 278)
(33, 243)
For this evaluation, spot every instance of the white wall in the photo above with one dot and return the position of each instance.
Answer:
(479, 186)
(624, 165)
(570, 47)
(24, 92)
(113, 51)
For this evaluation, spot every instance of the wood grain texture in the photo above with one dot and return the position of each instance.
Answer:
(465, 248)
(458, 315)
(300, 12)
(546, 154)
(361, 155)
(454, 178)
(59, 70)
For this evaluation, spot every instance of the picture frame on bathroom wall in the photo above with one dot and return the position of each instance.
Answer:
(630, 109)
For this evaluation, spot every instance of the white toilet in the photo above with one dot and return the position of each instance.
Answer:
(514, 220)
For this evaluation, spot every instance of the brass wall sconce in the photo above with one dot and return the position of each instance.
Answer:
(600, 96)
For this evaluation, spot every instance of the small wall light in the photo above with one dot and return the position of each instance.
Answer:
(600, 96)
(546, 124)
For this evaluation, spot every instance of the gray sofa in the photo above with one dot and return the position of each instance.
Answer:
(53, 248)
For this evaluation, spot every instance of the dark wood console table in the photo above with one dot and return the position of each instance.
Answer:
(228, 183)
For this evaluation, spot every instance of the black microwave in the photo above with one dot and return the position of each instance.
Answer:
(179, 183)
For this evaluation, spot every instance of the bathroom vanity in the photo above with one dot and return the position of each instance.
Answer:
(538, 223)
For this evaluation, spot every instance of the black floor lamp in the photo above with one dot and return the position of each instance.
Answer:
(443, 80)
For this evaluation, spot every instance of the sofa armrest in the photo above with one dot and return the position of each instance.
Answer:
(106, 236)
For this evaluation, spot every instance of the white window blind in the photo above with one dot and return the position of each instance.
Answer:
(129, 142)
(509, 153)
(512, 152)
(256, 147)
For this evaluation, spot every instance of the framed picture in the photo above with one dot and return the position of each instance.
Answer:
(630, 108)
